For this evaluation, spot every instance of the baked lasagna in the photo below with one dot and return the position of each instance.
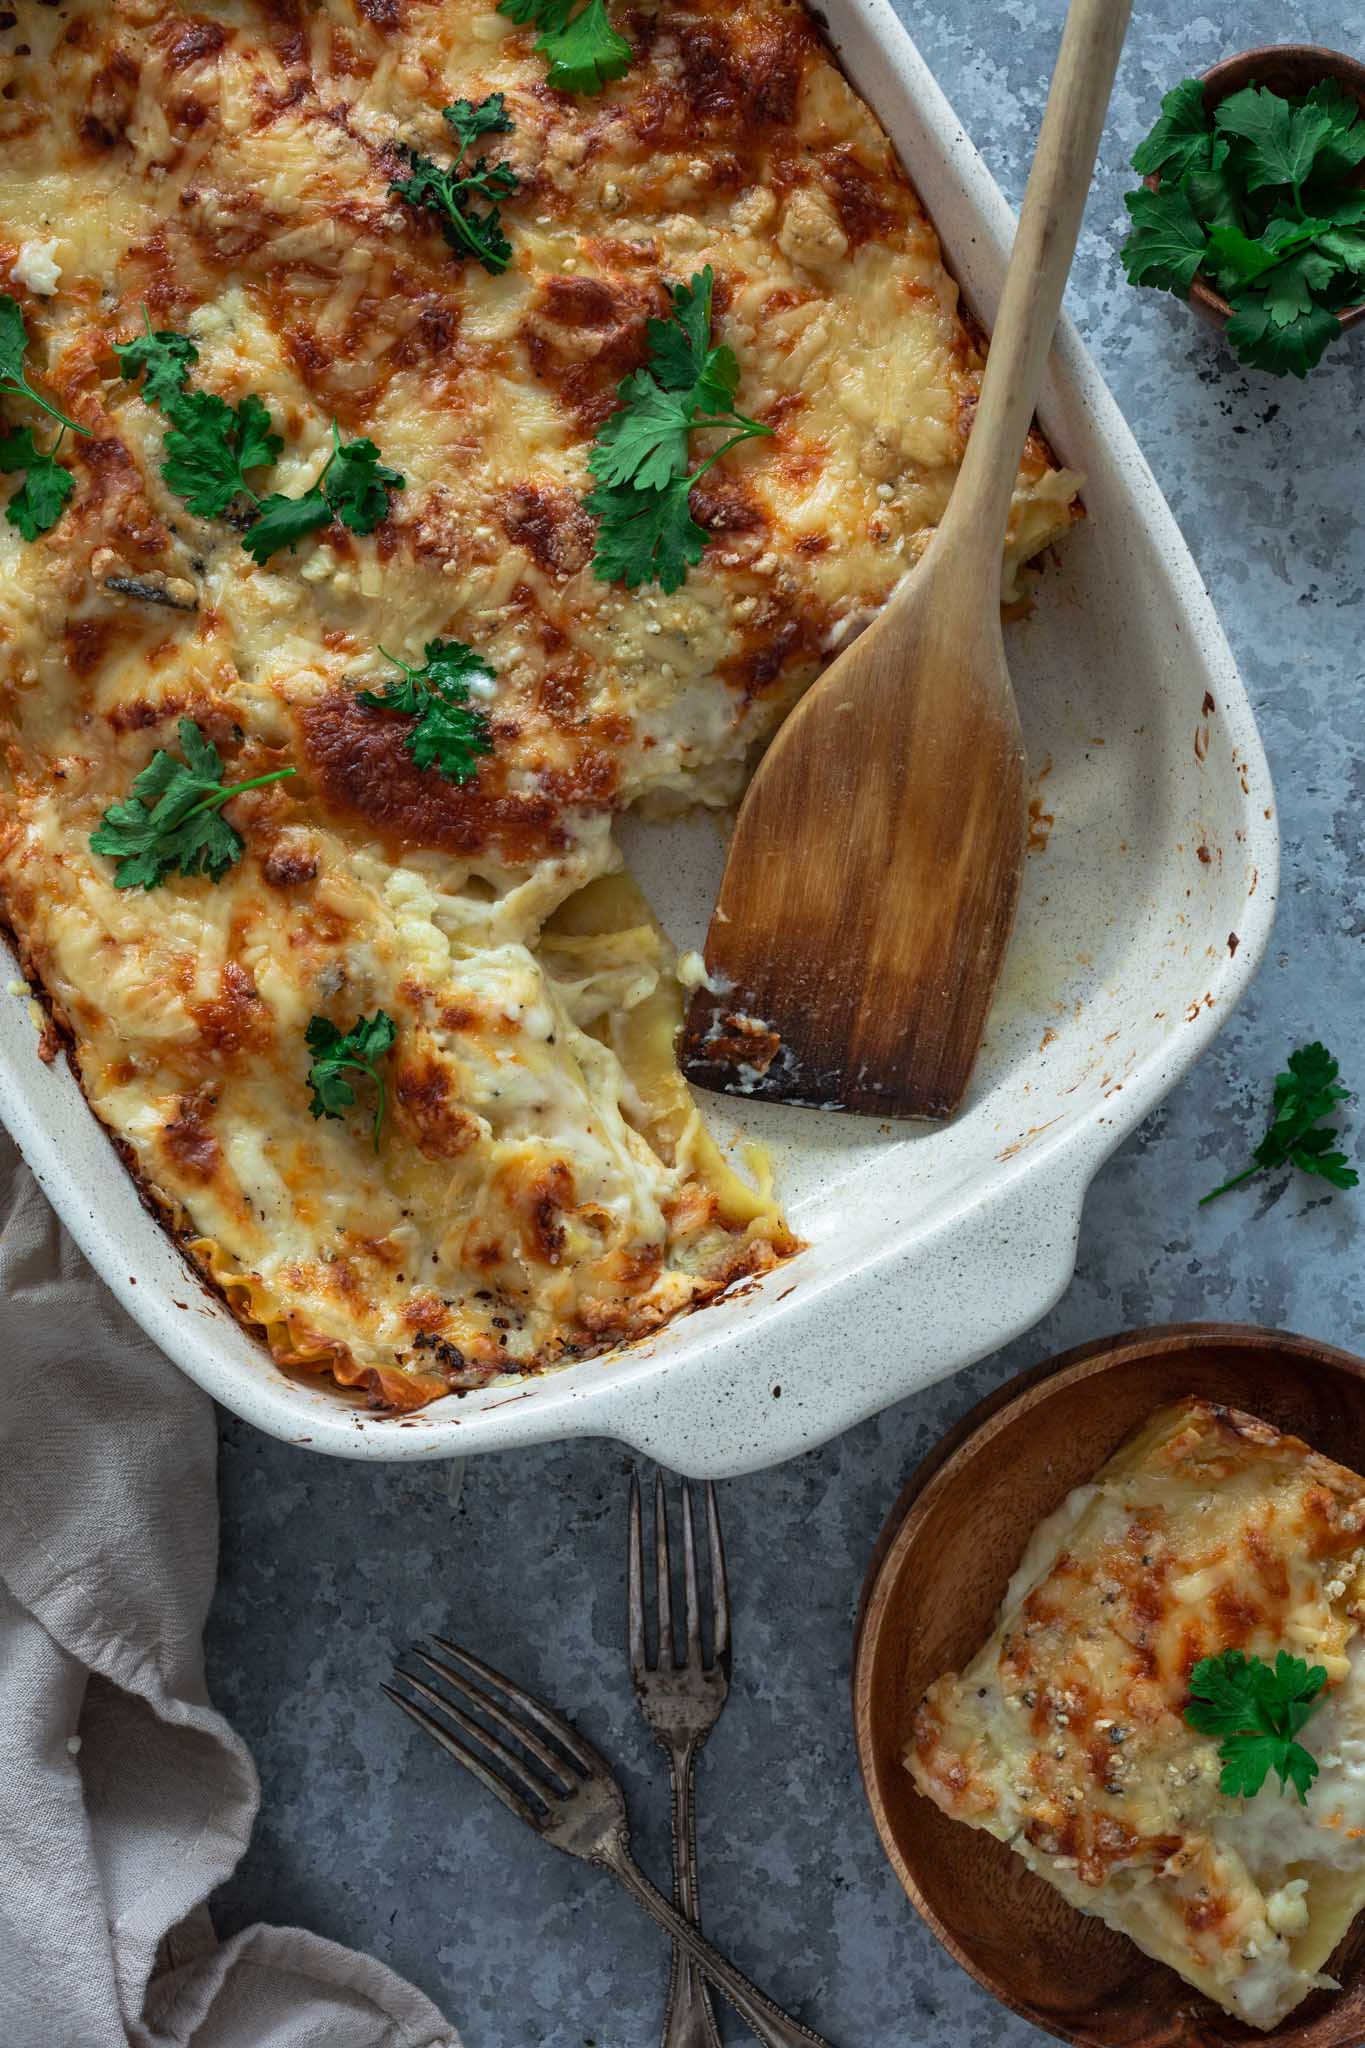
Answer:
(390, 225)
(1209, 1535)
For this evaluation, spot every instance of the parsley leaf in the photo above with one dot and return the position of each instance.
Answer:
(680, 352)
(356, 484)
(646, 536)
(284, 521)
(450, 733)
(1210, 195)
(1290, 286)
(352, 486)
(1167, 243)
(472, 118)
(1347, 245)
(37, 504)
(1235, 259)
(1307, 1092)
(1282, 140)
(584, 50)
(163, 360)
(13, 347)
(172, 819)
(1258, 1708)
(452, 194)
(1182, 140)
(646, 532)
(1293, 348)
(644, 443)
(335, 1052)
(212, 445)
(1344, 148)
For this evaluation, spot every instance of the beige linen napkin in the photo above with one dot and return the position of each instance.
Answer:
(124, 1798)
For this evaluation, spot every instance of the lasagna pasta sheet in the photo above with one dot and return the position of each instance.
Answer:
(1065, 1736)
(545, 1186)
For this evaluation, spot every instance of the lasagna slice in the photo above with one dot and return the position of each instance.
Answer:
(1066, 1735)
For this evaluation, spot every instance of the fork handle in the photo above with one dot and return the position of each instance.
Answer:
(772, 2026)
(689, 2021)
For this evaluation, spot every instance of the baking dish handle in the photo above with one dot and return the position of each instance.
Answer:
(818, 1348)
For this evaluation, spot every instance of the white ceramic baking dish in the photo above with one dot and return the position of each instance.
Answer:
(1143, 919)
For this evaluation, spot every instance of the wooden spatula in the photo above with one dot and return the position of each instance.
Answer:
(875, 866)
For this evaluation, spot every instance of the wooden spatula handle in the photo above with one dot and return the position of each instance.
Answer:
(1044, 245)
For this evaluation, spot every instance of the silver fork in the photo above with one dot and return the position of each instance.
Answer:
(681, 1704)
(573, 1801)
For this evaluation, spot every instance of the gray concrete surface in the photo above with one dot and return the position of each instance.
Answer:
(328, 1568)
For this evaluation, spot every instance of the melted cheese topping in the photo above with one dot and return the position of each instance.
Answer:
(1065, 1735)
(545, 1186)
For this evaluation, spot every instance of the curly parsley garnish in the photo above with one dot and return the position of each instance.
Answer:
(1258, 1708)
(352, 486)
(640, 456)
(335, 1053)
(449, 733)
(1309, 1091)
(1256, 197)
(172, 821)
(584, 50)
(455, 195)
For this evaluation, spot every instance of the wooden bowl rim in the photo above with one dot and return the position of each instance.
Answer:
(986, 1420)
(1225, 77)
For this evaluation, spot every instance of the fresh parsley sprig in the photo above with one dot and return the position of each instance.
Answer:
(584, 50)
(162, 359)
(449, 733)
(646, 532)
(1307, 1092)
(1258, 1708)
(211, 447)
(13, 377)
(467, 202)
(337, 1053)
(37, 504)
(353, 486)
(172, 821)
(1255, 197)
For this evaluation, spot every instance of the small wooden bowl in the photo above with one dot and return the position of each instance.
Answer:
(1288, 69)
(937, 1578)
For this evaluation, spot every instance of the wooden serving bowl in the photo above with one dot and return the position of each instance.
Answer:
(1289, 69)
(936, 1580)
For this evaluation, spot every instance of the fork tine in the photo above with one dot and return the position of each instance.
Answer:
(432, 1727)
(720, 1586)
(553, 1762)
(554, 1724)
(694, 1650)
(525, 1778)
(663, 1575)
(635, 1584)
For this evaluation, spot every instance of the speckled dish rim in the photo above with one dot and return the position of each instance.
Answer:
(852, 1325)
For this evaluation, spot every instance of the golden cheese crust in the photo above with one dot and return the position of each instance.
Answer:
(545, 1187)
(1066, 1737)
